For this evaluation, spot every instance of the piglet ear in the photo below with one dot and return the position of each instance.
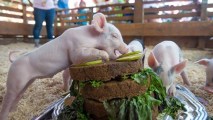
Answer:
(99, 22)
(204, 62)
(179, 67)
(152, 61)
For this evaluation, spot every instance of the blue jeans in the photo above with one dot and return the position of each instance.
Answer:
(39, 16)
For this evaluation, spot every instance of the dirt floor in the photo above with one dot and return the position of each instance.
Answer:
(45, 91)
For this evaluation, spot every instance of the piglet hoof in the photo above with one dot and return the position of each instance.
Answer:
(13, 109)
(65, 89)
(188, 83)
(61, 87)
(172, 91)
(208, 89)
(172, 94)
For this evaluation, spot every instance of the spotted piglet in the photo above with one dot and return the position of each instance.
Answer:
(167, 61)
(209, 76)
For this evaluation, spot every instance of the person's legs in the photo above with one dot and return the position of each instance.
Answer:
(39, 17)
(50, 17)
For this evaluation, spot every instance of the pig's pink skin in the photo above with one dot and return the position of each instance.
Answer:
(209, 76)
(134, 45)
(65, 74)
(166, 59)
(74, 46)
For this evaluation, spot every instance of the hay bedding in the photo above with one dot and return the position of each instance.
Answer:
(44, 91)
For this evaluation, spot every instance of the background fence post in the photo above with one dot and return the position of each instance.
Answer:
(203, 14)
(138, 12)
(139, 15)
(90, 14)
(24, 10)
(24, 13)
(203, 17)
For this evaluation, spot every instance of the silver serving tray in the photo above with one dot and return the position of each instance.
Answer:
(194, 109)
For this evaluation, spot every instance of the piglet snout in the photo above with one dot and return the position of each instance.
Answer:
(123, 49)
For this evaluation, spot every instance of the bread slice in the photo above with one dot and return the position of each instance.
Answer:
(105, 71)
(95, 109)
(114, 89)
(98, 112)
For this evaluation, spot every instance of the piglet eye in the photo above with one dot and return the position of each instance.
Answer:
(114, 35)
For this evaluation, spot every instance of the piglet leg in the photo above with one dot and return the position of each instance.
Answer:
(172, 90)
(66, 79)
(18, 81)
(209, 85)
(20, 95)
(185, 78)
(208, 89)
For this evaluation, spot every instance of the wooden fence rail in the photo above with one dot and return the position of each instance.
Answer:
(115, 12)
(133, 20)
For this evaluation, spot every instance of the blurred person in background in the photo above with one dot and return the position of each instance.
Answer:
(64, 4)
(82, 11)
(44, 10)
(102, 2)
(128, 8)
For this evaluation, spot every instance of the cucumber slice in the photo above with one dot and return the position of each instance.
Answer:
(91, 63)
(130, 57)
(130, 53)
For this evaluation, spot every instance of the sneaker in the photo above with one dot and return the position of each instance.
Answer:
(36, 41)
(37, 45)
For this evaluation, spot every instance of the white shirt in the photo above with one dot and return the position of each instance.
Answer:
(45, 4)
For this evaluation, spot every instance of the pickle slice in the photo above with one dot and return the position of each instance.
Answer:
(130, 53)
(130, 57)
